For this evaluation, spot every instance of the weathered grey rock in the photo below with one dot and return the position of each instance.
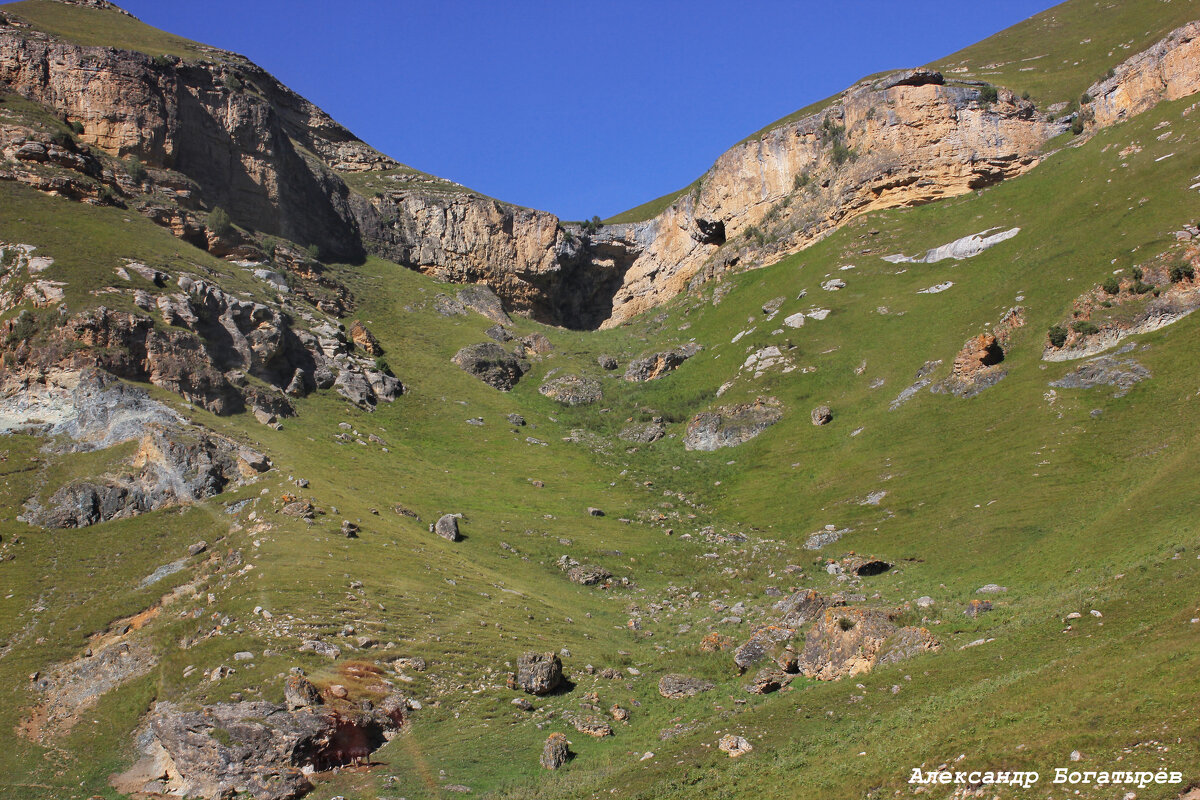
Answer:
(446, 527)
(588, 574)
(498, 333)
(556, 752)
(1104, 371)
(729, 426)
(592, 726)
(659, 364)
(735, 746)
(255, 748)
(482, 300)
(646, 433)
(492, 364)
(572, 390)
(515, 419)
(538, 673)
(320, 648)
(677, 687)
(977, 607)
(769, 679)
(299, 692)
(821, 415)
(606, 362)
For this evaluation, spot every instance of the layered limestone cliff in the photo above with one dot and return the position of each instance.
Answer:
(1167, 71)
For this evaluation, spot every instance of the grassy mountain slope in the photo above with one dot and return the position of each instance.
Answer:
(1071, 509)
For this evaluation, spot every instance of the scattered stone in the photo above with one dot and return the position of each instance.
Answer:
(977, 607)
(556, 752)
(522, 703)
(833, 284)
(607, 362)
(197, 548)
(320, 648)
(794, 320)
(592, 726)
(821, 415)
(677, 687)
(646, 433)
(991, 588)
(925, 601)
(735, 746)
(515, 419)
(349, 529)
(618, 713)
(594, 512)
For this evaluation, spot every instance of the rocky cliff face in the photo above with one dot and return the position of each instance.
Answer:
(1167, 71)
(227, 134)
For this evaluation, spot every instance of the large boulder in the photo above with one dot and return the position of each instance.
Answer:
(255, 748)
(655, 366)
(538, 673)
(492, 364)
(572, 390)
(365, 339)
(677, 687)
(848, 640)
(299, 692)
(556, 752)
(447, 527)
(729, 426)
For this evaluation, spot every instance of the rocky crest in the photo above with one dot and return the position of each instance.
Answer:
(223, 132)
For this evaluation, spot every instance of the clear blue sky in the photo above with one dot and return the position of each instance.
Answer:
(572, 107)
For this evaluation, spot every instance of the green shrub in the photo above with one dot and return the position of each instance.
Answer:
(1077, 125)
(76, 127)
(136, 169)
(1058, 335)
(314, 252)
(1084, 99)
(845, 623)
(382, 365)
(1141, 287)
(1026, 95)
(1112, 73)
(800, 181)
(1137, 273)
(841, 154)
(1111, 285)
(1180, 272)
(988, 94)
(219, 222)
(1084, 327)
(23, 329)
(756, 234)
(62, 139)
(232, 82)
(162, 62)
(592, 225)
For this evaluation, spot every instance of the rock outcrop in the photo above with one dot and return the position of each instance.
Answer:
(492, 364)
(256, 748)
(729, 426)
(659, 364)
(1167, 71)
(223, 132)
(843, 642)
(572, 390)
(175, 462)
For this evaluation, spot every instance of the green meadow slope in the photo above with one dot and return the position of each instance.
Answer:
(1074, 499)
